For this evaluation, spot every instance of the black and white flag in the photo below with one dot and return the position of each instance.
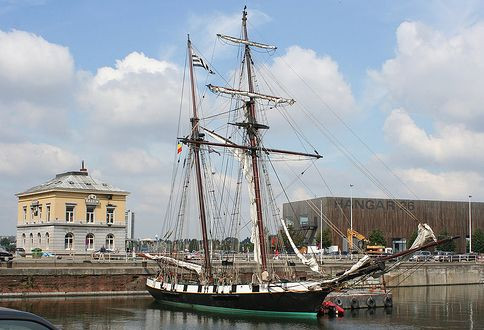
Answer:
(198, 61)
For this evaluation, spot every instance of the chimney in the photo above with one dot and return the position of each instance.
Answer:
(83, 169)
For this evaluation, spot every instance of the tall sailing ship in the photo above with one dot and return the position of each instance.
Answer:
(226, 287)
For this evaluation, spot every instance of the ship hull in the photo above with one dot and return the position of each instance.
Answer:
(289, 304)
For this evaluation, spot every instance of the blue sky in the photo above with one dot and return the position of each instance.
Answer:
(405, 75)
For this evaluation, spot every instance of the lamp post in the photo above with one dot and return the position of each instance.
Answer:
(470, 225)
(351, 220)
(321, 231)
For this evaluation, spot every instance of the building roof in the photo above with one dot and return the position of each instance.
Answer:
(74, 181)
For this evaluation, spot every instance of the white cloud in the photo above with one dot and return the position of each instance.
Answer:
(139, 92)
(453, 185)
(25, 159)
(451, 146)
(135, 161)
(434, 74)
(31, 66)
(317, 85)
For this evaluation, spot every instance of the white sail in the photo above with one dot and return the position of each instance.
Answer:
(187, 265)
(311, 262)
(425, 234)
(246, 42)
(231, 91)
(247, 169)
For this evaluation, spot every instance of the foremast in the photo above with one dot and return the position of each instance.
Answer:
(195, 147)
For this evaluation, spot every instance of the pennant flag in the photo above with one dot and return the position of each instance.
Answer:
(179, 148)
(198, 61)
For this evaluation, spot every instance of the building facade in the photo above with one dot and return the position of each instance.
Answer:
(72, 214)
(384, 214)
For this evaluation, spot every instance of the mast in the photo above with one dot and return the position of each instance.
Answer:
(252, 130)
(196, 152)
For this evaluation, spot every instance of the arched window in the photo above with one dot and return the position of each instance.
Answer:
(69, 241)
(39, 239)
(47, 241)
(90, 242)
(24, 240)
(31, 240)
(110, 242)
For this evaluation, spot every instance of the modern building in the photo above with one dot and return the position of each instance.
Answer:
(72, 213)
(396, 224)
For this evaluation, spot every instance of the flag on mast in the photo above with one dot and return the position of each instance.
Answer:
(179, 148)
(198, 61)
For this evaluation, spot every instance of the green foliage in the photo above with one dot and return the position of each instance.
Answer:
(376, 237)
(296, 235)
(5, 243)
(412, 239)
(230, 244)
(478, 241)
(449, 246)
(246, 245)
(327, 238)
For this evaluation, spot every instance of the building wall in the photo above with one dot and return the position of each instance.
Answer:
(58, 227)
(58, 201)
(384, 214)
(57, 233)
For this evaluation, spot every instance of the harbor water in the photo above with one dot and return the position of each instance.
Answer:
(449, 307)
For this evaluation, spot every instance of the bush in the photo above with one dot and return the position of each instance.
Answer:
(376, 237)
(478, 241)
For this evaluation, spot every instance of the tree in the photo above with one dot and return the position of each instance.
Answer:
(327, 238)
(246, 245)
(296, 235)
(376, 237)
(412, 239)
(5, 242)
(449, 246)
(478, 241)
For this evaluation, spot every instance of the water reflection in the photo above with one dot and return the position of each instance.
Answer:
(414, 308)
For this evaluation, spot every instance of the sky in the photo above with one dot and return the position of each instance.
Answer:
(399, 83)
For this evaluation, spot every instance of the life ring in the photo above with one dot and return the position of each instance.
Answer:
(338, 302)
(370, 302)
(388, 301)
(355, 304)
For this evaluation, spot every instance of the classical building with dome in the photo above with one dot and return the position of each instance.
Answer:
(72, 213)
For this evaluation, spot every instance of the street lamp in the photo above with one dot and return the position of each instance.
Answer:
(351, 219)
(470, 225)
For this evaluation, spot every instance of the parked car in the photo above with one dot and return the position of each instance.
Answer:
(15, 319)
(443, 256)
(20, 252)
(5, 255)
(421, 256)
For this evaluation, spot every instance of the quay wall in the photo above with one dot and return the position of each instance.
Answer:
(71, 278)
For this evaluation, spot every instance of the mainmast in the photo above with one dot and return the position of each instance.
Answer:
(252, 130)
(195, 136)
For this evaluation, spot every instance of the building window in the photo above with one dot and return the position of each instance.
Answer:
(109, 215)
(25, 213)
(48, 212)
(110, 242)
(40, 212)
(69, 241)
(39, 240)
(69, 213)
(90, 242)
(31, 240)
(31, 213)
(47, 241)
(303, 221)
(90, 214)
(24, 240)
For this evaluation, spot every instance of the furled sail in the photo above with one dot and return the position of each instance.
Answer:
(231, 91)
(424, 234)
(246, 42)
(247, 169)
(311, 262)
(187, 265)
